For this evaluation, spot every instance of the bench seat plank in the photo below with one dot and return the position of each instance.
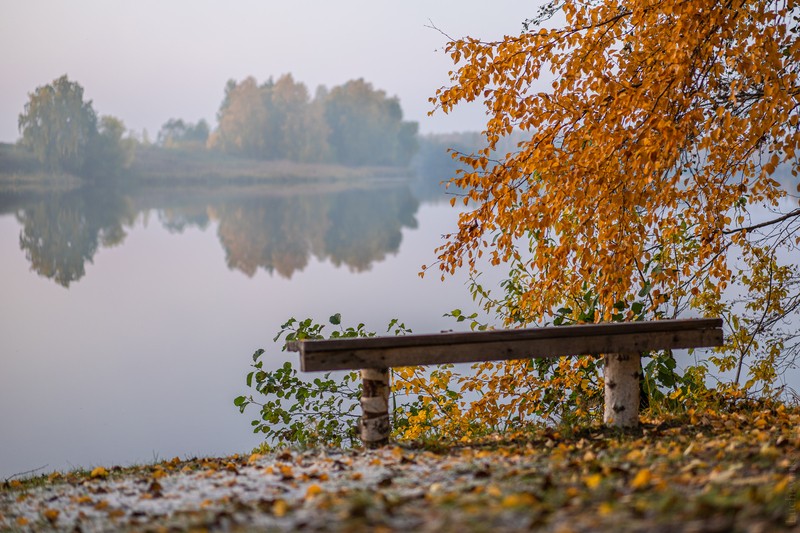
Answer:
(470, 347)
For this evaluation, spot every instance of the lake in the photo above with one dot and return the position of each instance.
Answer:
(129, 319)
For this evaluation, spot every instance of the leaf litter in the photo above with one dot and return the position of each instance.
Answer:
(700, 472)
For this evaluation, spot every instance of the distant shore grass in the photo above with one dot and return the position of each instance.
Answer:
(20, 171)
(157, 165)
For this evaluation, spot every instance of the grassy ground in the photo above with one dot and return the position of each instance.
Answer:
(154, 166)
(703, 471)
(21, 173)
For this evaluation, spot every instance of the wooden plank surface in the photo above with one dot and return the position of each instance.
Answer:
(386, 352)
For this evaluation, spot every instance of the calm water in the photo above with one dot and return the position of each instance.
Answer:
(129, 321)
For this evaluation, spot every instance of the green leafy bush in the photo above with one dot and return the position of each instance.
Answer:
(294, 411)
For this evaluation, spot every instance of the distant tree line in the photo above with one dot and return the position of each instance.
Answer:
(175, 133)
(351, 124)
(64, 133)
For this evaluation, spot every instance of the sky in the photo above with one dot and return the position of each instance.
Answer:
(147, 61)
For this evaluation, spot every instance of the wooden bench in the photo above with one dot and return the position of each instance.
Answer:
(621, 342)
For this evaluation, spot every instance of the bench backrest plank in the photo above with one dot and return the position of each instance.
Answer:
(470, 347)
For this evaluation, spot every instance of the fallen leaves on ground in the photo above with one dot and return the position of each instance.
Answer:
(734, 471)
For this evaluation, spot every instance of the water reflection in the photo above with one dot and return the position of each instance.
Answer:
(279, 234)
(61, 233)
(277, 230)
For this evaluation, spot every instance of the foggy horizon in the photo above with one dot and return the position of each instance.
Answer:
(148, 62)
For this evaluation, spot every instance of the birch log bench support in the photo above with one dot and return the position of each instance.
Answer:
(621, 342)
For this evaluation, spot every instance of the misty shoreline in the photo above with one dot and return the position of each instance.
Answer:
(159, 167)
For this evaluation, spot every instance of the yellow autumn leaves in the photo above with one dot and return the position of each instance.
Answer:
(663, 128)
(708, 468)
(639, 133)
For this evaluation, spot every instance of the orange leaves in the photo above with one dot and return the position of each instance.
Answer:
(645, 97)
(662, 125)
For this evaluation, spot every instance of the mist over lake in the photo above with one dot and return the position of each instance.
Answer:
(131, 318)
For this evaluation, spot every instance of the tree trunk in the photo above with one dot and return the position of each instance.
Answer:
(375, 424)
(622, 373)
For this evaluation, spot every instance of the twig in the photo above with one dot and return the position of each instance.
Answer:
(433, 26)
(25, 473)
(787, 216)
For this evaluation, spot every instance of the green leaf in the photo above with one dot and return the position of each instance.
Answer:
(336, 319)
(645, 289)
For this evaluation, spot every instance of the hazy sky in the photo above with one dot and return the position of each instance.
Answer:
(146, 61)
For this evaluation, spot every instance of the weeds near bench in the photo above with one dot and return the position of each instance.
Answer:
(303, 413)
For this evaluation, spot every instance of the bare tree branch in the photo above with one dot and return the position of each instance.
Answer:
(792, 214)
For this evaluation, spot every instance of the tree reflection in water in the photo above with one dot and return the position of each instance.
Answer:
(62, 232)
(280, 234)
(277, 231)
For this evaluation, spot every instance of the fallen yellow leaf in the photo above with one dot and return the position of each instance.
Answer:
(286, 471)
(279, 508)
(642, 479)
(593, 481)
(494, 491)
(51, 514)
(634, 455)
(781, 485)
(313, 490)
(518, 500)
(254, 457)
(99, 472)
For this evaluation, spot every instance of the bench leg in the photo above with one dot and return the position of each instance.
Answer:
(375, 424)
(622, 390)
